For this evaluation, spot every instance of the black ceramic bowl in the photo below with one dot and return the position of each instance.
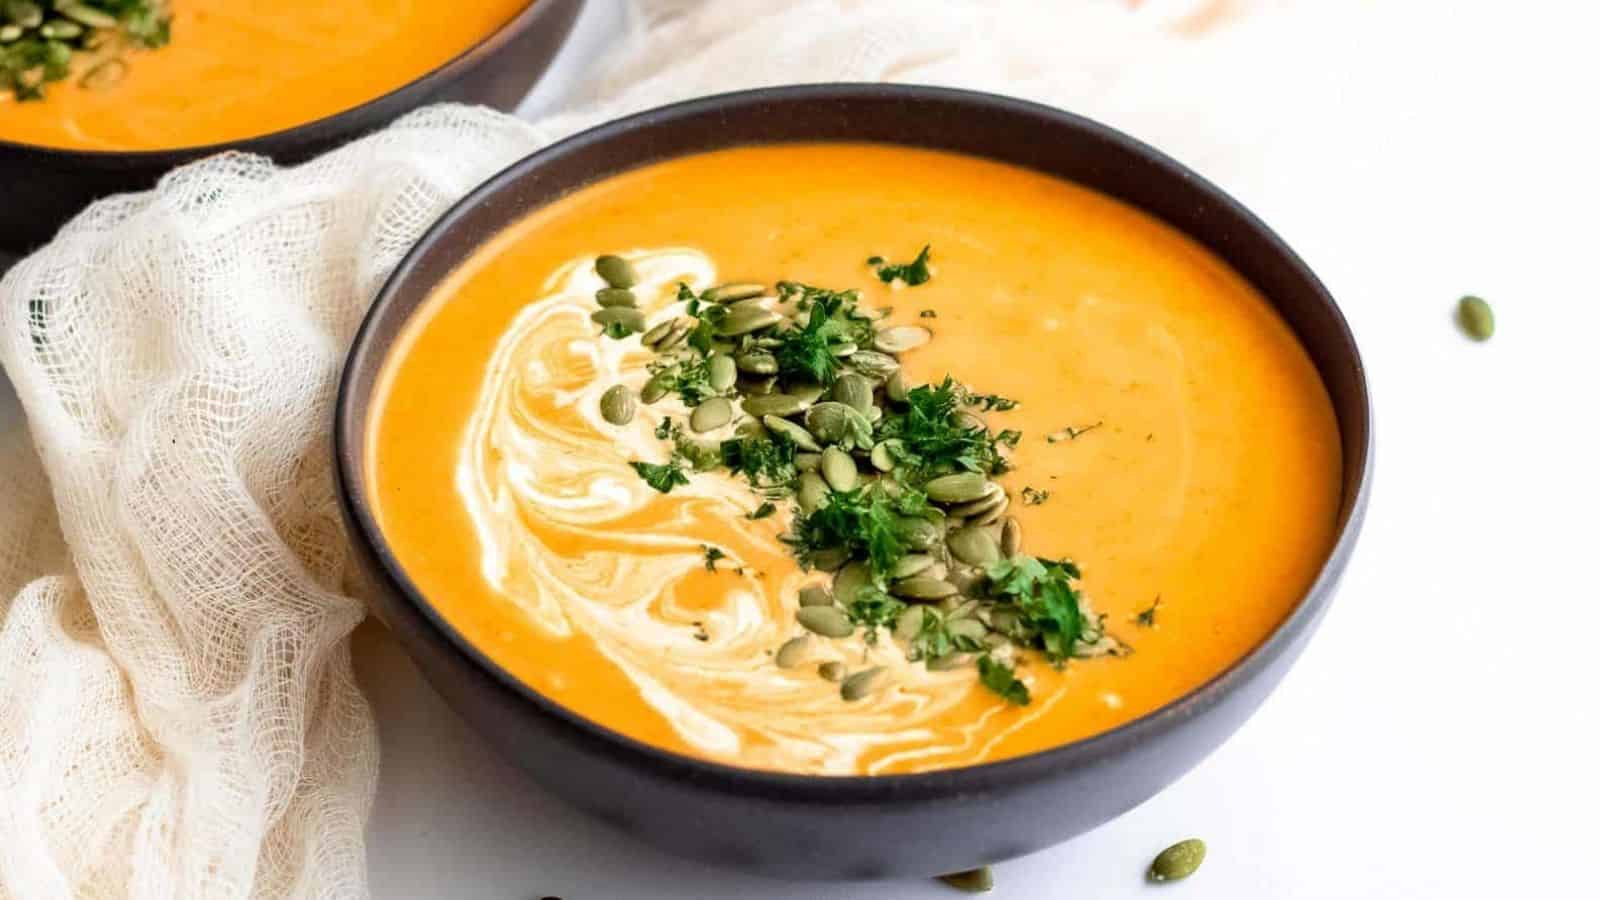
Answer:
(856, 827)
(41, 188)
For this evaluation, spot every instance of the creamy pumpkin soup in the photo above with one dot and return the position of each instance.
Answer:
(853, 459)
(164, 74)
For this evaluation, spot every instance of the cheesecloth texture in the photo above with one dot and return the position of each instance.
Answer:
(178, 713)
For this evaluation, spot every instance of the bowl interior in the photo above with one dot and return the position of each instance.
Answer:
(997, 128)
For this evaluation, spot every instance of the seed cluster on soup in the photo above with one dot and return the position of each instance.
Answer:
(129, 75)
(801, 479)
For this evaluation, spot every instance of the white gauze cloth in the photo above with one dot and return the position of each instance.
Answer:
(178, 715)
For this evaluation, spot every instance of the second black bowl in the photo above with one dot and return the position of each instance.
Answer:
(856, 827)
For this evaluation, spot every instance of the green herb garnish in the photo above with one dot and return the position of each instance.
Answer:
(912, 273)
(1147, 616)
(864, 522)
(766, 509)
(661, 476)
(1002, 679)
(1070, 433)
(39, 43)
(713, 554)
(1032, 496)
(991, 402)
(1046, 599)
(767, 463)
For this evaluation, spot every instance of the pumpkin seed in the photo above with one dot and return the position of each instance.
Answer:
(779, 425)
(895, 388)
(874, 364)
(973, 881)
(1178, 861)
(839, 470)
(757, 362)
(831, 671)
(626, 316)
(773, 405)
(901, 338)
(655, 334)
(919, 587)
(60, 30)
(808, 462)
(1010, 537)
(828, 621)
(751, 428)
(656, 388)
(829, 558)
(993, 514)
(1476, 317)
(855, 391)
(806, 393)
(815, 595)
(909, 623)
(836, 423)
(911, 564)
(747, 319)
(616, 271)
(991, 498)
(739, 290)
(969, 581)
(968, 632)
(615, 297)
(9, 33)
(948, 661)
(87, 16)
(863, 683)
(811, 492)
(721, 372)
(973, 546)
(617, 405)
(756, 385)
(680, 330)
(961, 487)
(918, 534)
(24, 13)
(793, 652)
(840, 351)
(711, 414)
(849, 582)
(883, 455)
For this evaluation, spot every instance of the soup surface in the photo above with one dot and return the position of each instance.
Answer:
(1176, 443)
(242, 68)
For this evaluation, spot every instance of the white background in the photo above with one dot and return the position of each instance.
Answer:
(1440, 736)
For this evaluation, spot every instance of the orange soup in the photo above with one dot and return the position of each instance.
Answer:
(235, 69)
(1119, 397)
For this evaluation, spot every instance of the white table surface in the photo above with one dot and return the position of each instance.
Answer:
(1440, 736)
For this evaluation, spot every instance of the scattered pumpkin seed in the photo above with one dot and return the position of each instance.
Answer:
(711, 414)
(615, 297)
(721, 372)
(774, 405)
(616, 271)
(828, 621)
(831, 671)
(874, 364)
(747, 319)
(779, 425)
(811, 492)
(656, 388)
(920, 587)
(993, 495)
(1476, 317)
(911, 564)
(617, 405)
(901, 338)
(854, 390)
(60, 30)
(849, 581)
(919, 535)
(86, 15)
(626, 316)
(680, 330)
(994, 512)
(1010, 537)
(973, 881)
(757, 362)
(815, 595)
(948, 661)
(863, 683)
(793, 652)
(655, 334)
(103, 75)
(829, 559)
(966, 630)
(962, 487)
(1178, 861)
(833, 422)
(973, 546)
(895, 387)
(807, 462)
(882, 457)
(9, 33)
(909, 623)
(728, 293)
(839, 470)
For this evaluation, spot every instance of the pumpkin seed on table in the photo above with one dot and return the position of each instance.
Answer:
(1178, 861)
(721, 372)
(711, 414)
(615, 297)
(617, 405)
(626, 316)
(972, 881)
(839, 470)
(815, 595)
(1476, 317)
(793, 652)
(828, 621)
(961, 487)
(728, 293)
(864, 683)
(617, 272)
(901, 338)
(778, 425)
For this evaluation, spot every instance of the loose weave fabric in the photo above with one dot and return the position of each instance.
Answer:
(178, 714)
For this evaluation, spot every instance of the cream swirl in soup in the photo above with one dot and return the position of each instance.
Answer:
(581, 545)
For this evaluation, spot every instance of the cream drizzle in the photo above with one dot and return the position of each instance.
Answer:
(538, 460)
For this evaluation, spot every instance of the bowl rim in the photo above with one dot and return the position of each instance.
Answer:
(486, 46)
(349, 458)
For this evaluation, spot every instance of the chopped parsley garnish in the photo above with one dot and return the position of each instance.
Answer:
(1032, 496)
(766, 509)
(929, 314)
(872, 609)
(991, 402)
(806, 351)
(934, 436)
(1002, 679)
(767, 463)
(1147, 616)
(661, 476)
(1070, 433)
(1044, 595)
(912, 273)
(713, 554)
(865, 523)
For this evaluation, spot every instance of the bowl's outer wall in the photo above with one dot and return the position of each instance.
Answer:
(803, 827)
(41, 188)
